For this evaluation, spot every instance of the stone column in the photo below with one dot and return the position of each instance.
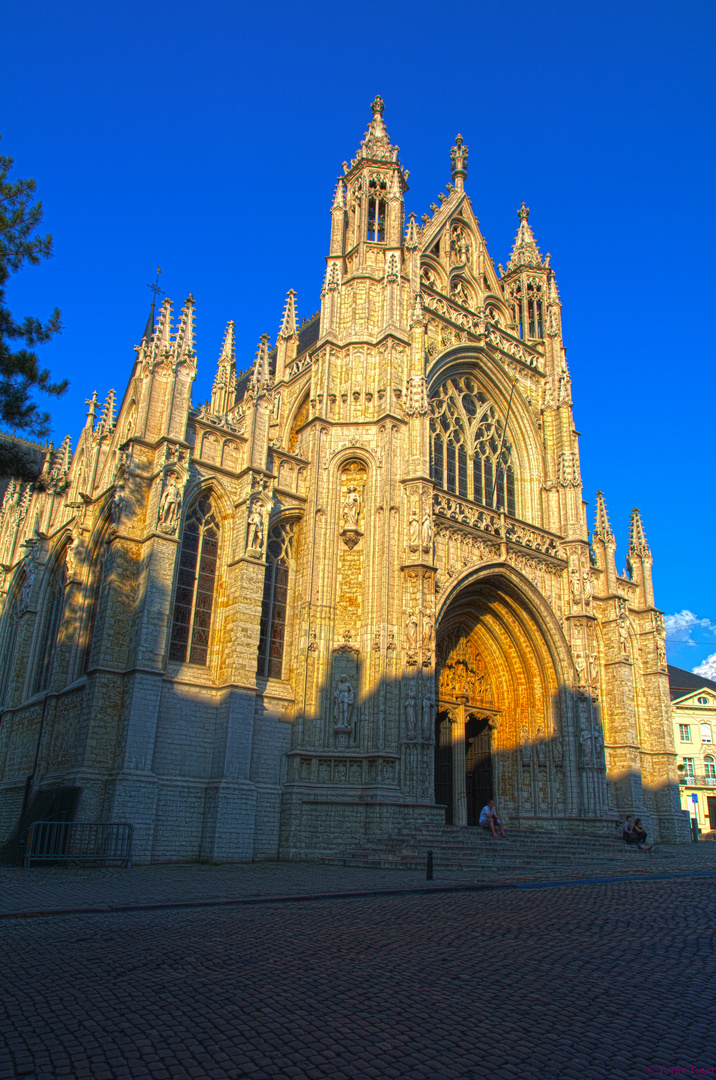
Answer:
(459, 793)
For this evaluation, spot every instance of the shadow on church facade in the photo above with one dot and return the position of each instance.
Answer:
(353, 592)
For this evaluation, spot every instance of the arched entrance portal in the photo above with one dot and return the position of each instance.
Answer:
(498, 727)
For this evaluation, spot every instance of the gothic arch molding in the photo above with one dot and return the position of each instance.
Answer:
(502, 656)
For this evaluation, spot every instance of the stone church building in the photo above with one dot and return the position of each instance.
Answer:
(353, 593)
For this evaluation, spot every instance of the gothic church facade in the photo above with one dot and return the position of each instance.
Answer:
(353, 593)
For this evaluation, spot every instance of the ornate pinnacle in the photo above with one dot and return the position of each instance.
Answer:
(458, 158)
(637, 539)
(377, 105)
(524, 250)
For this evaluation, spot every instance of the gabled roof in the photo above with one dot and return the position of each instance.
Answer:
(683, 682)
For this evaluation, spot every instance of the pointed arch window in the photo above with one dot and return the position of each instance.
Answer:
(468, 454)
(92, 610)
(51, 628)
(12, 619)
(274, 605)
(194, 599)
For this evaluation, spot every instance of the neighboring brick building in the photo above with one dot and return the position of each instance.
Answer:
(693, 708)
(353, 589)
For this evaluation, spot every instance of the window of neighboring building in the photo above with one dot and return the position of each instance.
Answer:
(684, 733)
(194, 598)
(706, 733)
(275, 602)
(710, 768)
(703, 700)
(689, 766)
(53, 617)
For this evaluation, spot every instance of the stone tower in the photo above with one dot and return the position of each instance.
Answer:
(355, 590)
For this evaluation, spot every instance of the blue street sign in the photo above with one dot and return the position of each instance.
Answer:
(694, 798)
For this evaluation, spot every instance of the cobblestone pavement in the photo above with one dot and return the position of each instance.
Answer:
(45, 888)
(584, 981)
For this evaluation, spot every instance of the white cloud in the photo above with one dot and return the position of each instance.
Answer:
(708, 668)
(680, 626)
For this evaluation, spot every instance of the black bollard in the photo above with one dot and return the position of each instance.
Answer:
(429, 872)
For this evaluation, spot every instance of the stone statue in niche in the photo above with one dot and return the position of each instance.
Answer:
(598, 744)
(71, 553)
(587, 587)
(557, 750)
(576, 587)
(623, 628)
(170, 505)
(593, 668)
(413, 530)
(660, 653)
(343, 698)
(410, 715)
(117, 505)
(30, 565)
(585, 743)
(581, 665)
(411, 629)
(351, 508)
(350, 532)
(427, 531)
(255, 532)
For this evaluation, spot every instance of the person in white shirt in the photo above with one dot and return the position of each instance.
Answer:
(489, 818)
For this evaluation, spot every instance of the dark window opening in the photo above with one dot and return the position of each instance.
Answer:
(376, 212)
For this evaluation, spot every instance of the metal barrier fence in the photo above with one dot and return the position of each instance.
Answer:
(79, 842)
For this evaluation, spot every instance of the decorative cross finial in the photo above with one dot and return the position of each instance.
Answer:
(154, 289)
(92, 403)
(377, 105)
(458, 158)
(523, 213)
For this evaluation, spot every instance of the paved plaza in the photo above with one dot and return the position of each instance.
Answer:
(546, 982)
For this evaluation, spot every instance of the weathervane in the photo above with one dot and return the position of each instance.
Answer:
(155, 287)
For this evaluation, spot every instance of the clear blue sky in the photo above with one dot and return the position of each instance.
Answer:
(207, 138)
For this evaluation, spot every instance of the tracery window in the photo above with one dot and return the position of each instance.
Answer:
(51, 629)
(194, 598)
(275, 601)
(468, 456)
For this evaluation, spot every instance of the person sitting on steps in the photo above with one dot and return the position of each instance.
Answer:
(489, 818)
(628, 835)
(640, 834)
